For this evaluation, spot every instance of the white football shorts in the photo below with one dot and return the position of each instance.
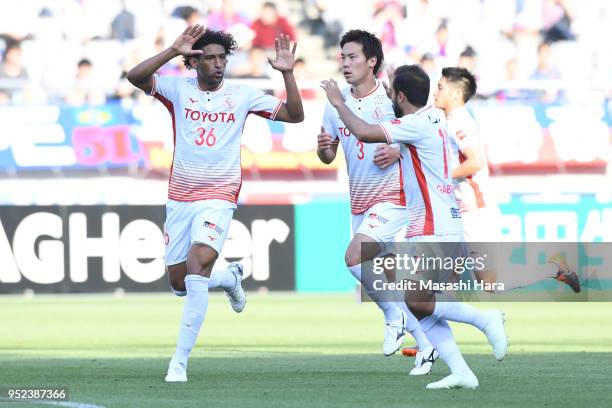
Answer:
(205, 222)
(383, 222)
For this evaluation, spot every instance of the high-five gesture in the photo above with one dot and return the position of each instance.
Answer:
(185, 41)
(285, 55)
(334, 95)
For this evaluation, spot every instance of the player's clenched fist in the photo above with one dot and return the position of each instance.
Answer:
(324, 140)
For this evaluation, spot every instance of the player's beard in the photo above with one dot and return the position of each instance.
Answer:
(397, 110)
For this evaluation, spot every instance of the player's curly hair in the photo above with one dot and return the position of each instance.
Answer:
(371, 45)
(226, 40)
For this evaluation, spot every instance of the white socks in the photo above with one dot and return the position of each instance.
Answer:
(194, 310)
(390, 310)
(222, 279)
(460, 312)
(442, 338)
(414, 327)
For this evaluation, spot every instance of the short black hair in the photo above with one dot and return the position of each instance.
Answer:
(84, 62)
(371, 45)
(463, 78)
(226, 40)
(413, 82)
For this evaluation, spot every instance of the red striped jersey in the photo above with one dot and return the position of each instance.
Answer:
(207, 126)
(432, 208)
(471, 192)
(368, 184)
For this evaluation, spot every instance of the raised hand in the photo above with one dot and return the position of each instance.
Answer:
(333, 92)
(184, 43)
(285, 55)
(391, 76)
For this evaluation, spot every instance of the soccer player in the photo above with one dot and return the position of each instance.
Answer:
(376, 191)
(208, 115)
(433, 216)
(479, 212)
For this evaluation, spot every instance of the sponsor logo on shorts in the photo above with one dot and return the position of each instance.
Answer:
(213, 227)
(455, 213)
(374, 216)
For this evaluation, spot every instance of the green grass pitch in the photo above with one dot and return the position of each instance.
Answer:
(290, 350)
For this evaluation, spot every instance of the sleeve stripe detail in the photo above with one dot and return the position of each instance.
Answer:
(275, 112)
(386, 134)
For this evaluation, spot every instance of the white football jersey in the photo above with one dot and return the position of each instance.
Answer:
(207, 126)
(368, 184)
(432, 208)
(472, 191)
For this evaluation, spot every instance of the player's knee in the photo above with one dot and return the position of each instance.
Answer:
(179, 293)
(178, 285)
(352, 258)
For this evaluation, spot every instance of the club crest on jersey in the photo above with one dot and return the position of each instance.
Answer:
(192, 100)
(374, 216)
(377, 114)
(213, 227)
(229, 103)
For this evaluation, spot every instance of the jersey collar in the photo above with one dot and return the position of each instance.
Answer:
(368, 94)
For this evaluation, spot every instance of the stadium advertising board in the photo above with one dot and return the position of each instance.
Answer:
(140, 139)
(523, 139)
(104, 248)
(525, 218)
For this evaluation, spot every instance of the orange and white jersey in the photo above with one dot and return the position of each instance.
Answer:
(207, 126)
(471, 192)
(432, 208)
(368, 184)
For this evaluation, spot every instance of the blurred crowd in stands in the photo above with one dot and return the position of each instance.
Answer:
(78, 51)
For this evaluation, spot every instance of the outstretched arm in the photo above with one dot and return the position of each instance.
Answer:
(292, 110)
(361, 129)
(141, 76)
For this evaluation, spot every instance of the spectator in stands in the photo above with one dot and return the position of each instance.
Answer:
(86, 88)
(270, 25)
(546, 70)
(444, 49)
(123, 26)
(13, 76)
(389, 16)
(508, 91)
(190, 14)
(467, 59)
(323, 19)
(227, 18)
(557, 19)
